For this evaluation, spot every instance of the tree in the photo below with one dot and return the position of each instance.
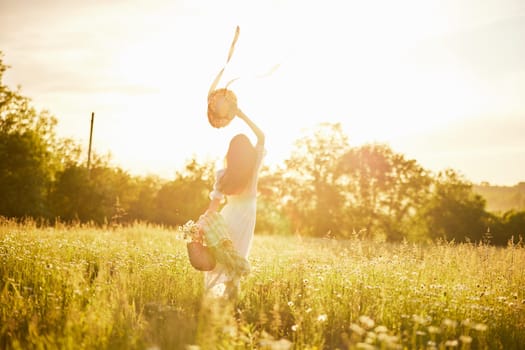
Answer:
(453, 210)
(271, 212)
(70, 197)
(142, 206)
(186, 197)
(30, 154)
(382, 190)
(510, 226)
(501, 199)
(97, 194)
(312, 197)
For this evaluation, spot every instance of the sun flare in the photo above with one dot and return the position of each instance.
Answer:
(387, 71)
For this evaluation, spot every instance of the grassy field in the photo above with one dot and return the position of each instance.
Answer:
(133, 288)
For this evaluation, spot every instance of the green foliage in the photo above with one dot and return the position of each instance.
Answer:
(313, 196)
(142, 206)
(325, 188)
(454, 211)
(91, 195)
(270, 219)
(24, 154)
(509, 228)
(24, 177)
(68, 197)
(186, 197)
(133, 288)
(30, 154)
(384, 190)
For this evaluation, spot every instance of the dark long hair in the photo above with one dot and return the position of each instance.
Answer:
(240, 163)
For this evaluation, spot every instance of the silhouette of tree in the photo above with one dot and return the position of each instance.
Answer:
(313, 199)
(454, 211)
(142, 206)
(383, 190)
(30, 154)
(509, 227)
(271, 211)
(186, 197)
(91, 195)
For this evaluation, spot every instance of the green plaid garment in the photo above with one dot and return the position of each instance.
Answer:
(217, 237)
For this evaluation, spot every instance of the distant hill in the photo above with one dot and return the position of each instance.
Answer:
(502, 198)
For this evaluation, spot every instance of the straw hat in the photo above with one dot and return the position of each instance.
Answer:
(222, 107)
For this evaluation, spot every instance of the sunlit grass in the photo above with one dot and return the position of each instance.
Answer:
(83, 287)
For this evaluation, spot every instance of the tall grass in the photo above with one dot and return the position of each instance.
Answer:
(81, 287)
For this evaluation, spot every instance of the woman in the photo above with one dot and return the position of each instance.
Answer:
(237, 182)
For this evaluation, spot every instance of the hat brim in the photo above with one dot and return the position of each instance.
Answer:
(222, 107)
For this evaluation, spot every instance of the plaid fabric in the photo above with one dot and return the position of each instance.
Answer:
(217, 237)
(215, 229)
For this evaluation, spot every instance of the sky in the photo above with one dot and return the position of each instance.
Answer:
(441, 81)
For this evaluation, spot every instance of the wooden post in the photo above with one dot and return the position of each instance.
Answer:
(90, 140)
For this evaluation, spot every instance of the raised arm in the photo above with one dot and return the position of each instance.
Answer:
(258, 132)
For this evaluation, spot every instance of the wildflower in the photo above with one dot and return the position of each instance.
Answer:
(449, 323)
(465, 339)
(480, 327)
(370, 338)
(431, 345)
(294, 328)
(290, 304)
(451, 343)
(322, 318)
(367, 322)
(190, 231)
(381, 329)
(357, 329)
(382, 337)
(467, 323)
(419, 319)
(434, 330)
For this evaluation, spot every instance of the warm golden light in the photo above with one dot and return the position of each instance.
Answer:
(394, 72)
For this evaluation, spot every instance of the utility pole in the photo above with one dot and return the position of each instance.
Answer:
(90, 140)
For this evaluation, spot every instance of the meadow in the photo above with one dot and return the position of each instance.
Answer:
(83, 287)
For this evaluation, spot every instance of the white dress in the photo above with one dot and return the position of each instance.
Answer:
(239, 214)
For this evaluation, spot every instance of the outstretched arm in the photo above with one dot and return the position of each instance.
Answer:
(251, 124)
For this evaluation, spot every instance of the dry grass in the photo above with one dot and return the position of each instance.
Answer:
(125, 288)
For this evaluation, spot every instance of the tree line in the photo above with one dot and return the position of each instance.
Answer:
(326, 187)
(502, 198)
